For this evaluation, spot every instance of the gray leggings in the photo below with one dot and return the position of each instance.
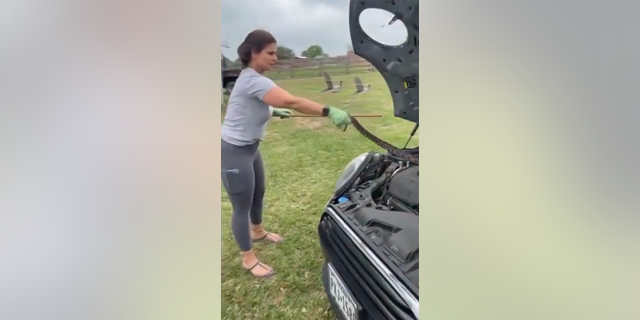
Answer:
(243, 179)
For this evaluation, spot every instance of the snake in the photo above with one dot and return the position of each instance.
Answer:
(393, 150)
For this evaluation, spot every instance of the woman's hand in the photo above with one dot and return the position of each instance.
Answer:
(282, 113)
(339, 117)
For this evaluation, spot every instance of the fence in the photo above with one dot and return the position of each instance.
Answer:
(306, 68)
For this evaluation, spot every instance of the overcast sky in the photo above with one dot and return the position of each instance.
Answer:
(297, 24)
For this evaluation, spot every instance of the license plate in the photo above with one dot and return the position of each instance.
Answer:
(341, 295)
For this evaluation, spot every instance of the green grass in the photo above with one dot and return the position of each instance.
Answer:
(303, 158)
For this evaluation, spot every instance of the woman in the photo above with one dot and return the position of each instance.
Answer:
(248, 110)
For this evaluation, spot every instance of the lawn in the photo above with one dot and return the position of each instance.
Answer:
(303, 158)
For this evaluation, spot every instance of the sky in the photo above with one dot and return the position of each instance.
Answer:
(298, 24)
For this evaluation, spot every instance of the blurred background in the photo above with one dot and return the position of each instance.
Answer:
(529, 124)
(110, 202)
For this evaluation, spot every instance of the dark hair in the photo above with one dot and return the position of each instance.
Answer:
(255, 41)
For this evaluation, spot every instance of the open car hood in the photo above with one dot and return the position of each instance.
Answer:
(397, 64)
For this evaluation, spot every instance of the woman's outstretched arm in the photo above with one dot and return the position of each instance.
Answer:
(278, 97)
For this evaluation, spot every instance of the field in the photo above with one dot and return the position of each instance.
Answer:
(303, 158)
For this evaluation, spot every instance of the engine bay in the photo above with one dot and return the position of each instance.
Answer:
(381, 202)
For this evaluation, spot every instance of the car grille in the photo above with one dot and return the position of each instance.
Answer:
(376, 296)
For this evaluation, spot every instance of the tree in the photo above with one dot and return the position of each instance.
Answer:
(285, 53)
(313, 51)
(226, 61)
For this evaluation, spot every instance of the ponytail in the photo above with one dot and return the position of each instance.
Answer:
(244, 53)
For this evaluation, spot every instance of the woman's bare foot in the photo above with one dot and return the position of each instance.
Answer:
(258, 234)
(273, 237)
(253, 265)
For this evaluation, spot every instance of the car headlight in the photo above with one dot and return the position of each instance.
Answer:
(350, 170)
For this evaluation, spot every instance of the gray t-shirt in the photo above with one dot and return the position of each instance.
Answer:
(247, 115)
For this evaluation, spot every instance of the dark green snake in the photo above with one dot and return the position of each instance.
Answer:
(383, 144)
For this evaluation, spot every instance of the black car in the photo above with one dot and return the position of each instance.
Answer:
(369, 228)
(230, 73)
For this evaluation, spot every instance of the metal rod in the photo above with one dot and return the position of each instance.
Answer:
(355, 115)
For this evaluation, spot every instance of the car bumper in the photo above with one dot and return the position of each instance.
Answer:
(364, 280)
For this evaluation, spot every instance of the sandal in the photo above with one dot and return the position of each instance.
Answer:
(267, 235)
(269, 274)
